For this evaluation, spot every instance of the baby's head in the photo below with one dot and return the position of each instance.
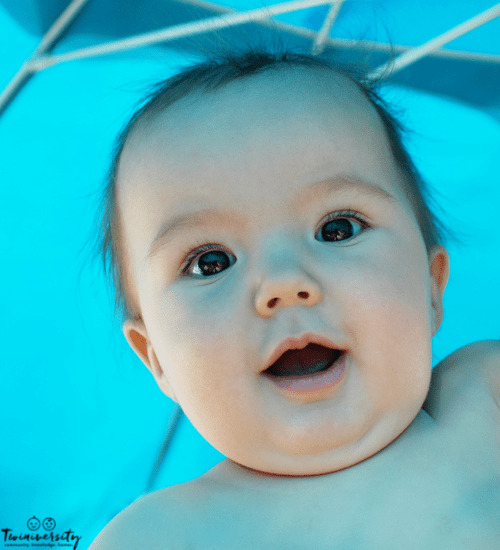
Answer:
(295, 176)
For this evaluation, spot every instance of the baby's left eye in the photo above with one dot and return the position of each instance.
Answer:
(339, 226)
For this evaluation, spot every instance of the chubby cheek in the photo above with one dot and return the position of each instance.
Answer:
(388, 319)
(200, 344)
(207, 366)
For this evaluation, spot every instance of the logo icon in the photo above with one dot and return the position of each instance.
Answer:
(49, 524)
(33, 523)
(11, 537)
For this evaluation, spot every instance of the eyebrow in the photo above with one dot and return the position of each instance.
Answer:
(205, 217)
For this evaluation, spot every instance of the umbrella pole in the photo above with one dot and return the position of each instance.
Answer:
(48, 41)
(172, 423)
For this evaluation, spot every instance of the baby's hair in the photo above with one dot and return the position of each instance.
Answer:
(210, 75)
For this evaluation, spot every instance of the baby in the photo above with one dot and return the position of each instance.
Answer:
(283, 278)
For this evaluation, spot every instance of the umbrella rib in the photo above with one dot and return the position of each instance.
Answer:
(60, 24)
(48, 40)
(350, 43)
(126, 44)
(413, 55)
(37, 62)
(178, 31)
(320, 40)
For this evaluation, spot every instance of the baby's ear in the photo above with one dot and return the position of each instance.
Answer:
(137, 337)
(439, 265)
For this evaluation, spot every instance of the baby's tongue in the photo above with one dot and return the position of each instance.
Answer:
(312, 358)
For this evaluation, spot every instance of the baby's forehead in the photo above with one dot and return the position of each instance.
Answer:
(254, 109)
(269, 98)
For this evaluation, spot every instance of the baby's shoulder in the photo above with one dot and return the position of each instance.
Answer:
(469, 377)
(153, 521)
(490, 354)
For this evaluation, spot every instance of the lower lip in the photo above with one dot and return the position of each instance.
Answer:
(310, 383)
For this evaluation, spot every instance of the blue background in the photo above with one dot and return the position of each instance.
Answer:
(82, 419)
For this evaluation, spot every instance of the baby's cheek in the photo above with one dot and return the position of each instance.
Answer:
(200, 324)
(399, 281)
(386, 311)
(214, 308)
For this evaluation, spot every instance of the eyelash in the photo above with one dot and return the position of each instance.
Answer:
(202, 246)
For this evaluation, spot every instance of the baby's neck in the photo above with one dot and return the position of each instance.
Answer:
(231, 474)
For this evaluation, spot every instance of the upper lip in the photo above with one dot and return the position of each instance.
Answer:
(298, 343)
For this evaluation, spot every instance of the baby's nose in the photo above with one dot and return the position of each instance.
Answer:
(284, 278)
(285, 292)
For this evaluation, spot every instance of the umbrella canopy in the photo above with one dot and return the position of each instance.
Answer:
(84, 424)
(468, 68)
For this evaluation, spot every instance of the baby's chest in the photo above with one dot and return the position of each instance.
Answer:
(454, 509)
(444, 495)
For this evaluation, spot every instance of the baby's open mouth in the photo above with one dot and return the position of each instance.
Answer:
(298, 362)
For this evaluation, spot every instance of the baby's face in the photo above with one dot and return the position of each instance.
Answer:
(312, 233)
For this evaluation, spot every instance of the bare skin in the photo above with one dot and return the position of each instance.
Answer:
(435, 486)
(363, 465)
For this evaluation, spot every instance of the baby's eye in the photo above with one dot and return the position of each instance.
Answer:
(212, 259)
(206, 260)
(340, 226)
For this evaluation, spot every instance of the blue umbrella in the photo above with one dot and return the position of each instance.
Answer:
(471, 72)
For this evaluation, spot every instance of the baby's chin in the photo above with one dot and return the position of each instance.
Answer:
(378, 446)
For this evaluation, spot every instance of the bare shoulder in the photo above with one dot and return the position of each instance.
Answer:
(153, 522)
(481, 358)
(491, 366)
(470, 375)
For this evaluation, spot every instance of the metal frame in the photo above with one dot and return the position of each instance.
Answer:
(40, 60)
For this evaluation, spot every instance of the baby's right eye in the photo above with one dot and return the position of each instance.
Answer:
(206, 260)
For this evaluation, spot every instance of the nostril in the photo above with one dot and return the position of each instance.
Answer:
(274, 301)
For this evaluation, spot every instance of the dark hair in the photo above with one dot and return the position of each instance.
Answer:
(208, 76)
